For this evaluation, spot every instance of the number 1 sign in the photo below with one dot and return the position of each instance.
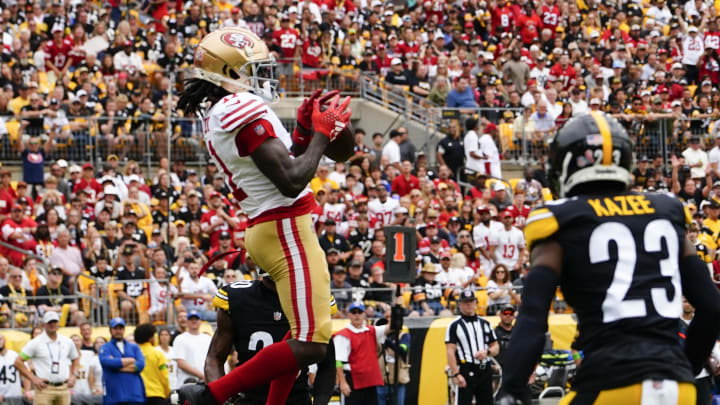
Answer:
(400, 246)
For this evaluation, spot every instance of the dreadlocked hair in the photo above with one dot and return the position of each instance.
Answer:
(195, 92)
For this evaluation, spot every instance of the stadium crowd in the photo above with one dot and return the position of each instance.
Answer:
(527, 66)
(77, 74)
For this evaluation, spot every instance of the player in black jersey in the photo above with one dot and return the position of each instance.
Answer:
(623, 263)
(250, 318)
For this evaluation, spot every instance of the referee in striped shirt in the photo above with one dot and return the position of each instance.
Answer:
(469, 341)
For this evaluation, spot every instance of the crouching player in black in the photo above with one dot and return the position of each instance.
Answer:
(250, 318)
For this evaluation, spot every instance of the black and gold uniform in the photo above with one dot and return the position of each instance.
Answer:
(624, 263)
(623, 282)
(258, 321)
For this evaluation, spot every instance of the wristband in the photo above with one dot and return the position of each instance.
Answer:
(301, 136)
(455, 375)
(576, 356)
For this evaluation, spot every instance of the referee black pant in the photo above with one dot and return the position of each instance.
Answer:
(363, 396)
(478, 384)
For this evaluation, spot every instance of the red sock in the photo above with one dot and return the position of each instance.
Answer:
(281, 386)
(256, 372)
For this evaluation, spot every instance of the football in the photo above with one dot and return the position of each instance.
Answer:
(342, 148)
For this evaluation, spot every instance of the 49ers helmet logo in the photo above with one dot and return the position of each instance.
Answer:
(237, 40)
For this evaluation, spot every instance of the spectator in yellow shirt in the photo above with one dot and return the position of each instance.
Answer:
(322, 179)
(155, 373)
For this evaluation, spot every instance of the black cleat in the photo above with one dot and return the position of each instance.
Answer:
(195, 394)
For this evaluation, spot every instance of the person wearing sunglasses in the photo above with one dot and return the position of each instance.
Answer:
(358, 370)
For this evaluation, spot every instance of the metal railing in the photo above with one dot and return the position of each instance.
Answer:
(97, 301)
(43, 262)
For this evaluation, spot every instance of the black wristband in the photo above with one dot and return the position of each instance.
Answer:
(455, 375)
(303, 130)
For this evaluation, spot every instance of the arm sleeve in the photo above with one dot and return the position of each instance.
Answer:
(139, 359)
(28, 351)
(450, 335)
(342, 348)
(528, 337)
(108, 361)
(253, 135)
(705, 326)
(380, 333)
(73, 354)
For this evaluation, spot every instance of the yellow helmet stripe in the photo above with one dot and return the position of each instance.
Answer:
(607, 138)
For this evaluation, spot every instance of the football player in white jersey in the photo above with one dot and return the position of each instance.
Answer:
(268, 170)
(11, 385)
(510, 249)
(485, 238)
(382, 209)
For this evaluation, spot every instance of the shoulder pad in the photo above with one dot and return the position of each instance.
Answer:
(541, 224)
(221, 300)
(237, 110)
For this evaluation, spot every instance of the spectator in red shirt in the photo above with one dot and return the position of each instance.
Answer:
(287, 38)
(519, 210)
(57, 51)
(405, 182)
(7, 194)
(217, 220)
(89, 184)
(17, 230)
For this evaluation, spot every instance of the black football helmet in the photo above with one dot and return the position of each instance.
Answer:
(592, 147)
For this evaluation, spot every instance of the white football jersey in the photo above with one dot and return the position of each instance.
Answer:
(171, 366)
(383, 212)
(231, 152)
(89, 363)
(203, 285)
(486, 237)
(334, 212)
(10, 384)
(510, 242)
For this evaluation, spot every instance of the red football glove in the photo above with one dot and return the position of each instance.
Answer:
(304, 113)
(303, 131)
(334, 119)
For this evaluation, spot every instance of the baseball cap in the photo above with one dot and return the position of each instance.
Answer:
(506, 308)
(193, 314)
(215, 194)
(692, 28)
(396, 61)
(467, 295)
(339, 269)
(115, 322)
(499, 186)
(74, 169)
(51, 316)
(356, 305)
(62, 163)
(87, 166)
(431, 225)
(333, 251)
(595, 101)
(445, 255)
(224, 235)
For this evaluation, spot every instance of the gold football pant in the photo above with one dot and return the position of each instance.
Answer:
(288, 250)
(648, 392)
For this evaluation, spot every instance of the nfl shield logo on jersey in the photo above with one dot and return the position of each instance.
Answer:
(277, 315)
(259, 130)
